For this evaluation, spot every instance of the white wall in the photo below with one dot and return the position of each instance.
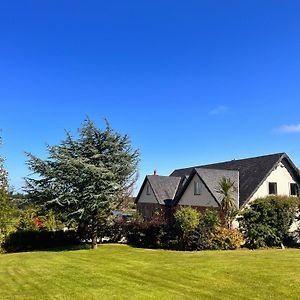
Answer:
(282, 176)
(144, 198)
(205, 199)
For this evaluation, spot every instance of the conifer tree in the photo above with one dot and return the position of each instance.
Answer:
(85, 177)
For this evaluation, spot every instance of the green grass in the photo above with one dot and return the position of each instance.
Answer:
(122, 272)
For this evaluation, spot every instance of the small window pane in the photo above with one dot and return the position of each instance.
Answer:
(294, 189)
(148, 190)
(197, 188)
(272, 188)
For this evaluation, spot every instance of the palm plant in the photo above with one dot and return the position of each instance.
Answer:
(226, 188)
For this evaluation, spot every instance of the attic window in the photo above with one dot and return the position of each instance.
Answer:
(148, 191)
(197, 188)
(294, 189)
(272, 188)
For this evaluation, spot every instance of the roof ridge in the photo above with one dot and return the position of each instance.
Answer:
(226, 161)
(165, 176)
(214, 169)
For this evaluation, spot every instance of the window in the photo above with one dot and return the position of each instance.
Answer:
(197, 188)
(148, 191)
(294, 189)
(272, 188)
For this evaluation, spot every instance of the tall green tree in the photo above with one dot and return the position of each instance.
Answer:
(3, 173)
(226, 188)
(85, 177)
(6, 207)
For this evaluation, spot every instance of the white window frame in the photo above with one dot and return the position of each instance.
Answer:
(276, 188)
(297, 191)
(197, 188)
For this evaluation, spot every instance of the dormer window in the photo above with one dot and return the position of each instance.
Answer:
(197, 188)
(272, 188)
(148, 190)
(294, 189)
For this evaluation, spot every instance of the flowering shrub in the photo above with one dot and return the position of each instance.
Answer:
(33, 219)
(29, 220)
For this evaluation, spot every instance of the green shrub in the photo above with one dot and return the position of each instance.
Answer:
(267, 221)
(226, 239)
(4, 233)
(148, 233)
(209, 222)
(29, 240)
(186, 219)
(7, 214)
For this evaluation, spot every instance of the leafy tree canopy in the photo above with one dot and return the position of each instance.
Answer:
(3, 173)
(7, 209)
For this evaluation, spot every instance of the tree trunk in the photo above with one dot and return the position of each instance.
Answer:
(94, 242)
(94, 232)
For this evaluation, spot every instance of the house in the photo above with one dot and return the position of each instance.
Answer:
(196, 186)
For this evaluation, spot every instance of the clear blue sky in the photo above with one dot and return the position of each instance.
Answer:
(191, 82)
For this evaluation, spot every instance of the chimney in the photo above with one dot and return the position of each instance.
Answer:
(155, 172)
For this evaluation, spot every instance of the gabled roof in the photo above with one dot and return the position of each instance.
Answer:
(252, 171)
(212, 177)
(164, 188)
(184, 185)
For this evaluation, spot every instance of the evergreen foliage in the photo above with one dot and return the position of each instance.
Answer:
(267, 221)
(85, 177)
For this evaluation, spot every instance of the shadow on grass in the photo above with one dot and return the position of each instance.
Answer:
(51, 249)
(66, 248)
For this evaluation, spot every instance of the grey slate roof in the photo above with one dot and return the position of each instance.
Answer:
(249, 174)
(164, 187)
(212, 178)
(252, 171)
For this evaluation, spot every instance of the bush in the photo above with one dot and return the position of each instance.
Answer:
(186, 220)
(208, 225)
(226, 239)
(146, 233)
(32, 219)
(267, 221)
(197, 238)
(7, 215)
(4, 233)
(29, 240)
(114, 232)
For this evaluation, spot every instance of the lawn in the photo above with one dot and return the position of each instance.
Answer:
(122, 272)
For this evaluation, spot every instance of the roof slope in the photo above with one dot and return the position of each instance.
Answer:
(212, 177)
(252, 171)
(164, 187)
